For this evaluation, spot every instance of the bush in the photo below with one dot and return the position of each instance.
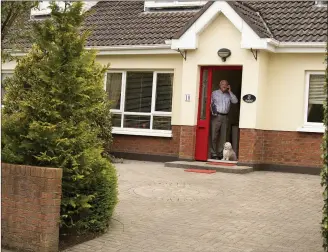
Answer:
(57, 114)
(324, 171)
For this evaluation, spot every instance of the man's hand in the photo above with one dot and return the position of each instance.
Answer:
(228, 88)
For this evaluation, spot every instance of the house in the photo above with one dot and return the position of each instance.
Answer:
(167, 57)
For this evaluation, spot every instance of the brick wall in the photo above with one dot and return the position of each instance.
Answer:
(187, 142)
(280, 147)
(182, 143)
(30, 201)
(250, 146)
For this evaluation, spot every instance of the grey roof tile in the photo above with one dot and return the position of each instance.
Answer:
(293, 21)
(119, 23)
(126, 23)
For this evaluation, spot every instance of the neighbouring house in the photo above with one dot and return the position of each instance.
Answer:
(167, 57)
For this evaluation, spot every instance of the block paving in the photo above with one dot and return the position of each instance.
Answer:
(166, 209)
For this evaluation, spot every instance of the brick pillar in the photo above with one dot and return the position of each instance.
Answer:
(30, 202)
(251, 146)
(187, 142)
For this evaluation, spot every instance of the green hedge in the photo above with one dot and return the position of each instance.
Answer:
(57, 114)
(324, 172)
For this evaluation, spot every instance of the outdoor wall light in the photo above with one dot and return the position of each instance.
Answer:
(224, 53)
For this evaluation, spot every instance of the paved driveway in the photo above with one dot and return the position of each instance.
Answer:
(167, 209)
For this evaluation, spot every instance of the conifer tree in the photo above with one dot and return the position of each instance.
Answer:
(56, 114)
(324, 171)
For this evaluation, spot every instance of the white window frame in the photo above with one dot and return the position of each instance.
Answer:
(321, 3)
(310, 126)
(140, 132)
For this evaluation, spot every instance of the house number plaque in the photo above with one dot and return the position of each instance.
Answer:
(249, 98)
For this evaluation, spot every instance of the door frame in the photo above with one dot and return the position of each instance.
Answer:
(205, 124)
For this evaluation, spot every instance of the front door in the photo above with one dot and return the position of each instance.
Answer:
(204, 115)
(209, 74)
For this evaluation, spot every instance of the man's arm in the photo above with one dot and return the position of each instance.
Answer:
(233, 98)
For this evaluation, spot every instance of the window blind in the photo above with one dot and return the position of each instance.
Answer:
(317, 94)
(139, 86)
(164, 92)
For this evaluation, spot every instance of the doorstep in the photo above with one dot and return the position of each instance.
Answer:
(207, 166)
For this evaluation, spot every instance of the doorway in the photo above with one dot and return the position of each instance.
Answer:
(210, 78)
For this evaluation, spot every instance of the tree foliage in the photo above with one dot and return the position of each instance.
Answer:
(13, 20)
(57, 114)
(324, 172)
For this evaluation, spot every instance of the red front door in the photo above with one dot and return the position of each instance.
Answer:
(204, 115)
(204, 112)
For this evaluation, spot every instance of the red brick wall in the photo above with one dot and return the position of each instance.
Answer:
(187, 142)
(181, 144)
(30, 201)
(280, 147)
(250, 146)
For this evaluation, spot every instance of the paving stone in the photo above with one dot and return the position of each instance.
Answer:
(166, 209)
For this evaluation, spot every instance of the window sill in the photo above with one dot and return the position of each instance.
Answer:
(312, 129)
(142, 132)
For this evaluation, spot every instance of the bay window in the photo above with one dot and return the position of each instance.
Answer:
(141, 102)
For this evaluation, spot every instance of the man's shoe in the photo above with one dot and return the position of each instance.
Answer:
(214, 157)
(220, 155)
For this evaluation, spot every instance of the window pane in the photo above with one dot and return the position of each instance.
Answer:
(204, 95)
(135, 121)
(116, 120)
(164, 92)
(316, 89)
(315, 113)
(317, 96)
(138, 94)
(162, 123)
(113, 89)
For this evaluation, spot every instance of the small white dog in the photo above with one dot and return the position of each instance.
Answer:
(228, 152)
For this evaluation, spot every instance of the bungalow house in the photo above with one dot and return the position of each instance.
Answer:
(167, 57)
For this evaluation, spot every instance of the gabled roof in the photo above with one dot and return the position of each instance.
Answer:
(253, 18)
(125, 23)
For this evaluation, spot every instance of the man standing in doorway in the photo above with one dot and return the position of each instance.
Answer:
(221, 100)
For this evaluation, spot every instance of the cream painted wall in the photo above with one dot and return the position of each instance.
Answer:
(8, 66)
(261, 99)
(284, 90)
(220, 34)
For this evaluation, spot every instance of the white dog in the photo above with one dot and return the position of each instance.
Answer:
(228, 152)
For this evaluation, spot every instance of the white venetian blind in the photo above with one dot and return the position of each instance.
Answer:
(317, 93)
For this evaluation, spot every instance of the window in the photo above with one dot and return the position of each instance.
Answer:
(321, 3)
(141, 102)
(3, 77)
(171, 5)
(315, 96)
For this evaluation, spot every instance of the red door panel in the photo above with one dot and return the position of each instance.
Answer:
(204, 117)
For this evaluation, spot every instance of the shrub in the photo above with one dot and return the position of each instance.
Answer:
(56, 114)
(324, 171)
